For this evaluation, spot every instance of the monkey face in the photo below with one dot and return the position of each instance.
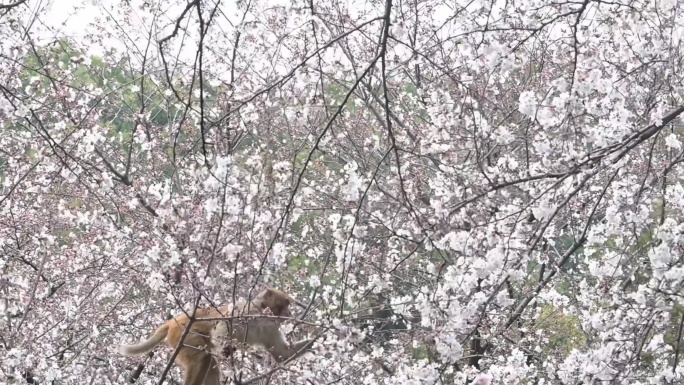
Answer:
(278, 302)
(281, 308)
(283, 311)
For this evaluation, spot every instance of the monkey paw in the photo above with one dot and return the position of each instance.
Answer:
(228, 350)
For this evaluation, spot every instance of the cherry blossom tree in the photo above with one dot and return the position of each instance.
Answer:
(460, 192)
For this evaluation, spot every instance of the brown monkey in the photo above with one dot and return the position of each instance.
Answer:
(199, 346)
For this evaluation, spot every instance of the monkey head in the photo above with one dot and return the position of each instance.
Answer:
(276, 301)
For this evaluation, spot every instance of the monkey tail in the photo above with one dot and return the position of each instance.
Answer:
(152, 342)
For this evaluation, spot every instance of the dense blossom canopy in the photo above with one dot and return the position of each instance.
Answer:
(459, 191)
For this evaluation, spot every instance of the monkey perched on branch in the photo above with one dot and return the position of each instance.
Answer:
(242, 324)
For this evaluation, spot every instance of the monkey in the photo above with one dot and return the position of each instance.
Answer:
(381, 322)
(199, 354)
(263, 332)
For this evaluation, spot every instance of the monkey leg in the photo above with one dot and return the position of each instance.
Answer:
(201, 369)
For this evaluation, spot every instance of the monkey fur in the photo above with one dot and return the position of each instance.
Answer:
(200, 353)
